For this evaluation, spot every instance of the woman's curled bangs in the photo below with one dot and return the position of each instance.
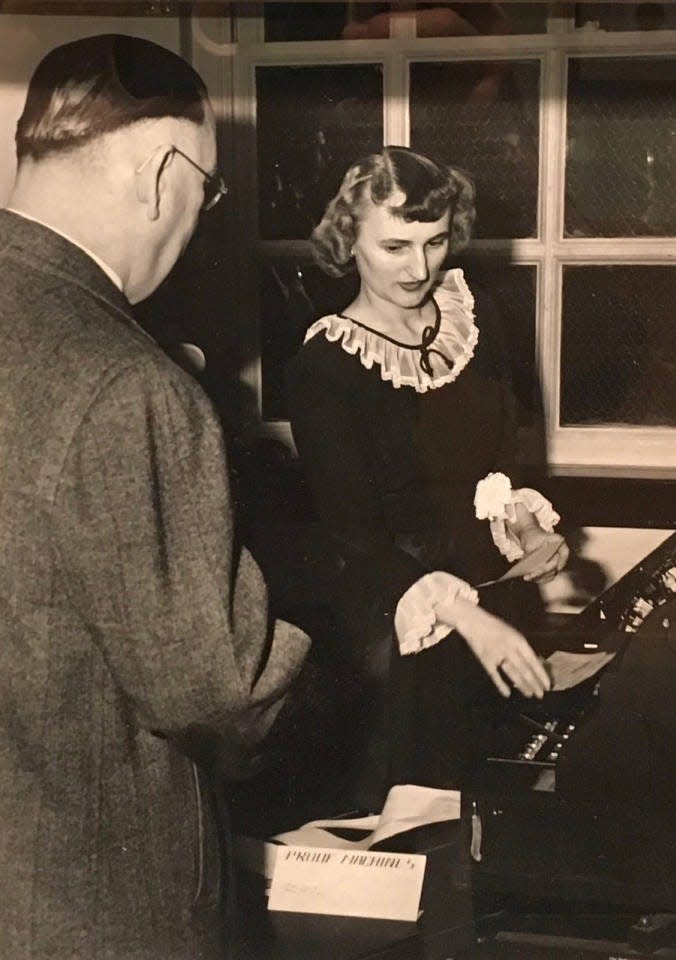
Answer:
(429, 189)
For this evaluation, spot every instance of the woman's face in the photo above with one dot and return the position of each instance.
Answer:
(398, 262)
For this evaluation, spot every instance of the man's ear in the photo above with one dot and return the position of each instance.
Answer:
(149, 179)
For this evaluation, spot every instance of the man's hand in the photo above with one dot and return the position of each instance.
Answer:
(501, 650)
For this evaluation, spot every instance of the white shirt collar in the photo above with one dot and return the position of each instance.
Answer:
(114, 277)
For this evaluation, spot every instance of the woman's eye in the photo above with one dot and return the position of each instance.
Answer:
(438, 242)
(393, 247)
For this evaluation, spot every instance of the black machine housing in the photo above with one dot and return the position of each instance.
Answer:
(576, 800)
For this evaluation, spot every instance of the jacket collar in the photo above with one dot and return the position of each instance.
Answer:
(32, 242)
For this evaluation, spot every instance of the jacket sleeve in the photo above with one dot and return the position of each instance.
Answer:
(143, 525)
(328, 429)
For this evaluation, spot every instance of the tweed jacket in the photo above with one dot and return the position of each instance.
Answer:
(134, 634)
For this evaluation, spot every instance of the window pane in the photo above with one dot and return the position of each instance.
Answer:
(313, 122)
(627, 16)
(472, 19)
(513, 290)
(326, 21)
(293, 295)
(618, 349)
(621, 157)
(483, 117)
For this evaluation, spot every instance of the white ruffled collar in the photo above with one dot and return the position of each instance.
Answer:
(424, 367)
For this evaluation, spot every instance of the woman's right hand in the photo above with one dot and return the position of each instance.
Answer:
(498, 647)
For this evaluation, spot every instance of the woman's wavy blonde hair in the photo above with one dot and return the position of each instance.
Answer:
(429, 190)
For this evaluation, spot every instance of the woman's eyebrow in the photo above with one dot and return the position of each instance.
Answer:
(437, 236)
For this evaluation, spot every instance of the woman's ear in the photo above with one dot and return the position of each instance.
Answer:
(150, 183)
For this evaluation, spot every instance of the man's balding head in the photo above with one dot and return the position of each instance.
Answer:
(115, 145)
(85, 89)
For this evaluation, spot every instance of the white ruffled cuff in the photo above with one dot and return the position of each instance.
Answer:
(494, 500)
(415, 620)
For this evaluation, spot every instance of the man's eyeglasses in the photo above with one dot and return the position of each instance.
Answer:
(214, 187)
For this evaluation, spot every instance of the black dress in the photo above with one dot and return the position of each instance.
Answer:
(393, 472)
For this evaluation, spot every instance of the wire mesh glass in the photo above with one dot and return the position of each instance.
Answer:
(325, 21)
(513, 289)
(618, 349)
(614, 17)
(484, 117)
(479, 19)
(293, 295)
(621, 153)
(313, 123)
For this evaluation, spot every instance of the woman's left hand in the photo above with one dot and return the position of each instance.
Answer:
(532, 538)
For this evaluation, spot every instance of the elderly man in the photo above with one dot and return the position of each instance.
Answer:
(136, 652)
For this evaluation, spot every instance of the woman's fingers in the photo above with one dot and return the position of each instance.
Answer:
(532, 672)
(517, 678)
(494, 674)
(547, 571)
(563, 555)
(522, 667)
(523, 678)
(542, 574)
(504, 653)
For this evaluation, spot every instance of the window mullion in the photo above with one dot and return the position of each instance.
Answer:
(396, 120)
(636, 250)
(552, 172)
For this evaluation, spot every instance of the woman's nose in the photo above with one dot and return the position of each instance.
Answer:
(418, 266)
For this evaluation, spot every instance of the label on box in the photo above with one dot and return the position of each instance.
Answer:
(347, 883)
